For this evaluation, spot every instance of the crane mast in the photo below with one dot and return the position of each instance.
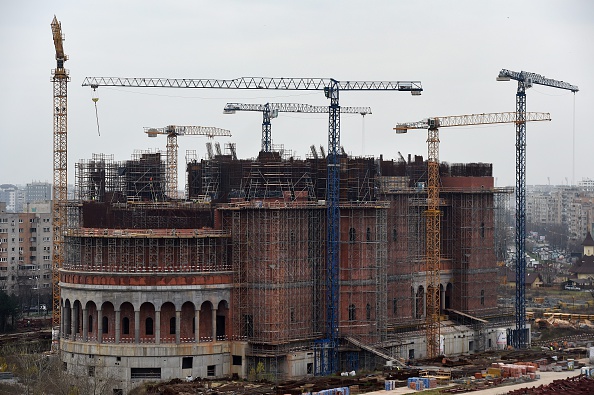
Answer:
(525, 80)
(326, 358)
(60, 80)
(172, 131)
(271, 110)
(433, 213)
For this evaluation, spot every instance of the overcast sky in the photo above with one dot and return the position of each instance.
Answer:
(455, 48)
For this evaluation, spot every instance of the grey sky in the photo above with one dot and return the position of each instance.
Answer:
(455, 48)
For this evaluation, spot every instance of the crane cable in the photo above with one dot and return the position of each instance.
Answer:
(95, 100)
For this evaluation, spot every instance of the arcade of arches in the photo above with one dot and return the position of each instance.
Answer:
(146, 323)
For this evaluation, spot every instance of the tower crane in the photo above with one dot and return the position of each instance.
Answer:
(525, 80)
(172, 131)
(270, 111)
(433, 213)
(326, 349)
(60, 80)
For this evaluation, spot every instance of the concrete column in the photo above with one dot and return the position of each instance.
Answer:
(136, 326)
(99, 327)
(442, 299)
(214, 325)
(62, 320)
(177, 326)
(72, 322)
(197, 325)
(85, 325)
(117, 326)
(157, 326)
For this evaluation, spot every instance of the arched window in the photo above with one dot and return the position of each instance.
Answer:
(90, 323)
(352, 235)
(148, 326)
(368, 311)
(352, 315)
(172, 326)
(126, 326)
(105, 325)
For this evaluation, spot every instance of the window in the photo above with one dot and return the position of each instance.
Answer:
(148, 326)
(352, 235)
(105, 325)
(126, 326)
(471, 345)
(145, 373)
(394, 234)
(310, 368)
(482, 230)
(352, 315)
(482, 297)
(210, 370)
(172, 326)
(394, 306)
(368, 311)
(91, 371)
(292, 314)
(187, 362)
(90, 323)
(368, 234)
(237, 360)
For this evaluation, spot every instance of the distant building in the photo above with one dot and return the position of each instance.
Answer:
(38, 191)
(584, 267)
(13, 196)
(26, 252)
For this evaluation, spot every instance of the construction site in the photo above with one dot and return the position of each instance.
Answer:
(279, 267)
(233, 278)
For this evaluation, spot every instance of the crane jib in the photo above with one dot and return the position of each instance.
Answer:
(256, 83)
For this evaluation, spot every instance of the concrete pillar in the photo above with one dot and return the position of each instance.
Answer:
(72, 322)
(177, 326)
(62, 320)
(136, 326)
(214, 325)
(157, 326)
(99, 327)
(85, 325)
(117, 326)
(197, 325)
(442, 298)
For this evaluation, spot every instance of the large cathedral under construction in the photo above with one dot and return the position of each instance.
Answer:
(233, 276)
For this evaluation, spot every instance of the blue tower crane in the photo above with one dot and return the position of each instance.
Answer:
(327, 348)
(525, 80)
(270, 111)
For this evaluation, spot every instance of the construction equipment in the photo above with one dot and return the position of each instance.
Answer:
(326, 350)
(60, 80)
(271, 110)
(525, 80)
(433, 213)
(172, 131)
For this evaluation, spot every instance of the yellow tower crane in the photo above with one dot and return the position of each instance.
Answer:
(60, 186)
(432, 214)
(172, 131)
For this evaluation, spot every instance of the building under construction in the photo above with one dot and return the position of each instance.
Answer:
(231, 279)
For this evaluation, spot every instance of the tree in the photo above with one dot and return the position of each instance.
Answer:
(8, 311)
